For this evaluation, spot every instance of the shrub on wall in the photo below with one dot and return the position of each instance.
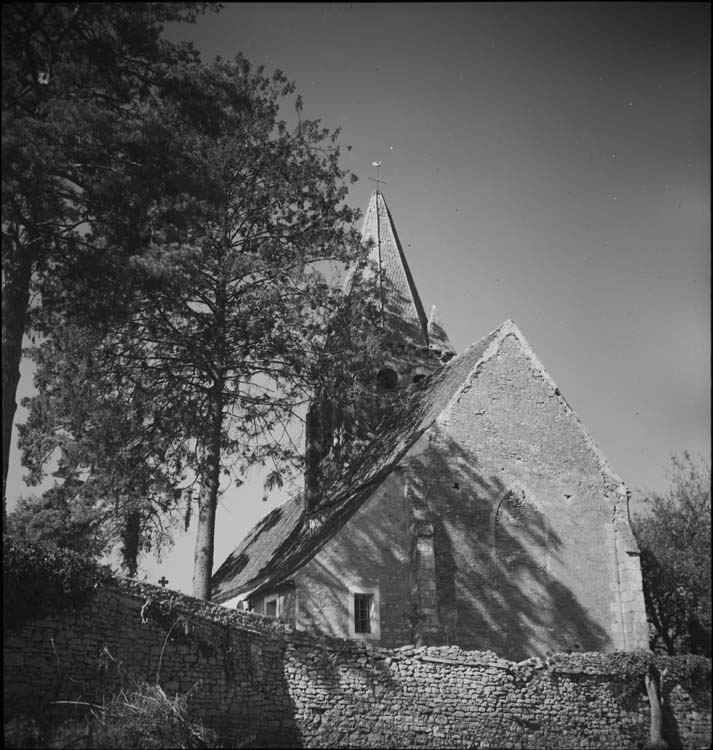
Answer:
(692, 672)
(38, 580)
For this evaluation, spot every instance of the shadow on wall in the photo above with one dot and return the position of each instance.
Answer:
(371, 550)
(229, 674)
(255, 678)
(501, 568)
(337, 681)
(498, 560)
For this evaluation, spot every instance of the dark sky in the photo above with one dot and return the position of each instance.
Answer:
(548, 163)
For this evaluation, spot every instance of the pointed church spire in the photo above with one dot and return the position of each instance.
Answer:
(402, 310)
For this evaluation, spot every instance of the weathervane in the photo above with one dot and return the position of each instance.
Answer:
(378, 182)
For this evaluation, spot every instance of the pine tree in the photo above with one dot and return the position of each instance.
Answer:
(86, 159)
(115, 459)
(232, 319)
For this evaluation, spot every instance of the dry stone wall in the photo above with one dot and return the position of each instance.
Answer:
(261, 683)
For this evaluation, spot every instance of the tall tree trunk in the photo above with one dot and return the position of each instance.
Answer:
(208, 501)
(131, 540)
(15, 301)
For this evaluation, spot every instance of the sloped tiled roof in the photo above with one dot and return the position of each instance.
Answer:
(281, 542)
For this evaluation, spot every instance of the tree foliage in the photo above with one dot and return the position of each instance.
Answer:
(60, 520)
(38, 580)
(112, 455)
(232, 324)
(86, 157)
(675, 541)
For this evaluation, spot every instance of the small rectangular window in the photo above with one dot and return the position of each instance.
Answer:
(362, 612)
(271, 607)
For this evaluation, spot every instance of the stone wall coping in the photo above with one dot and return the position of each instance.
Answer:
(576, 663)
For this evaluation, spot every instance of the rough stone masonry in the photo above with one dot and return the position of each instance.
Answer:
(262, 683)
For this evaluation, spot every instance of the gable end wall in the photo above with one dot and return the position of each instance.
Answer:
(529, 539)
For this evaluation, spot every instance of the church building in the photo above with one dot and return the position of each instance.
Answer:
(484, 516)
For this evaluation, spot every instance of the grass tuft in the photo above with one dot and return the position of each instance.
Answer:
(142, 716)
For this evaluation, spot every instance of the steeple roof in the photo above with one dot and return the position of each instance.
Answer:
(403, 313)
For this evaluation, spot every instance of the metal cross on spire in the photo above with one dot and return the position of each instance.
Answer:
(378, 182)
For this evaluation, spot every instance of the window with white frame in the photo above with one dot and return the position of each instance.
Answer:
(363, 608)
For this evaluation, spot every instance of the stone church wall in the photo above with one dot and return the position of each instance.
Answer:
(371, 552)
(526, 520)
(502, 529)
(261, 683)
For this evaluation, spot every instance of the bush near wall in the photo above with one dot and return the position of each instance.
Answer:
(261, 683)
(38, 580)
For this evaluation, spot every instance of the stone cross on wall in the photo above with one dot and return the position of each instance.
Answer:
(163, 581)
